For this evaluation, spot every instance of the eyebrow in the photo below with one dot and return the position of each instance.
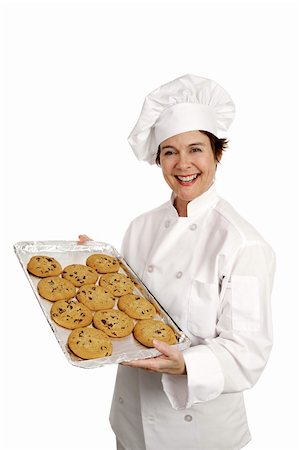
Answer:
(190, 145)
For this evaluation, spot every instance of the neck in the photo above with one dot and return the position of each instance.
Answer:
(181, 207)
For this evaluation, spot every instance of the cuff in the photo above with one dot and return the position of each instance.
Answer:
(204, 380)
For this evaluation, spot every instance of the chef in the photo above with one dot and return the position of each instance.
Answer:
(212, 272)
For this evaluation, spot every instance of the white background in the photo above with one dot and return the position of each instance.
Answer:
(74, 76)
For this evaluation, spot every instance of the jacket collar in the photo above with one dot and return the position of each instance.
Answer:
(200, 204)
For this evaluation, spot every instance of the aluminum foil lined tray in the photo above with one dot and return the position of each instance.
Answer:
(70, 252)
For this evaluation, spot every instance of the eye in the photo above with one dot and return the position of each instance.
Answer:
(196, 149)
(168, 152)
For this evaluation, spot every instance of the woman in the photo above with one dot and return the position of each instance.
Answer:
(209, 269)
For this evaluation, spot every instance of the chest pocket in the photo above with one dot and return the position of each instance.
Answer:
(203, 308)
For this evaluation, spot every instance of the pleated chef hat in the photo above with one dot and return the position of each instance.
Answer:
(187, 103)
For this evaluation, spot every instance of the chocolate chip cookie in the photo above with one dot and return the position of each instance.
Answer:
(44, 266)
(95, 297)
(113, 322)
(136, 307)
(89, 343)
(147, 330)
(117, 283)
(56, 288)
(103, 263)
(78, 274)
(70, 314)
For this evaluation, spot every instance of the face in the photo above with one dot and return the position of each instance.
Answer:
(188, 164)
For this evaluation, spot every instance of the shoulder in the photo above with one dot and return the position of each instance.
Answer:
(235, 223)
(241, 237)
(141, 232)
(152, 215)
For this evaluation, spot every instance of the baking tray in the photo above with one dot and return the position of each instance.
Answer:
(71, 252)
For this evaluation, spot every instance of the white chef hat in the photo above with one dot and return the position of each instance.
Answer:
(185, 104)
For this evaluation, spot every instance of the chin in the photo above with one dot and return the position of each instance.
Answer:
(187, 199)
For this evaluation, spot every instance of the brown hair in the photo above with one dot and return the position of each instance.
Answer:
(218, 146)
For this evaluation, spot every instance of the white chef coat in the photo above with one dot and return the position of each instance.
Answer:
(213, 273)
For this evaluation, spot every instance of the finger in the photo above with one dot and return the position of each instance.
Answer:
(147, 364)
(164, 348)
(156, 364)
(171, 359)
(83, 238)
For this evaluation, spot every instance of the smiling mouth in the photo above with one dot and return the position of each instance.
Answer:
(186, 180)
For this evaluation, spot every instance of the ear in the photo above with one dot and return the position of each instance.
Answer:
(219, 158)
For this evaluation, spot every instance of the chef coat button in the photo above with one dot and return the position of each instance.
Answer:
(167, 224)
(193, 227)
(179, 274)
(188, 418)
(120, 400)
(150, 268)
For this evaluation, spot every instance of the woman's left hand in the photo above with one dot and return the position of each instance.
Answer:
(170, 361)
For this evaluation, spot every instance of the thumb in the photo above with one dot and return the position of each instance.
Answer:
(164, 348)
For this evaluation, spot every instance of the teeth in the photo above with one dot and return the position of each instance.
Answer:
(188, 178)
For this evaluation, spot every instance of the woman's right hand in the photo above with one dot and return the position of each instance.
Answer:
(83, 238)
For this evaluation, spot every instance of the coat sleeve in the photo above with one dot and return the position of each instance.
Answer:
(233, 360)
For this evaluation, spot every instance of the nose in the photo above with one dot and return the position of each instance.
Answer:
(184, 161)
